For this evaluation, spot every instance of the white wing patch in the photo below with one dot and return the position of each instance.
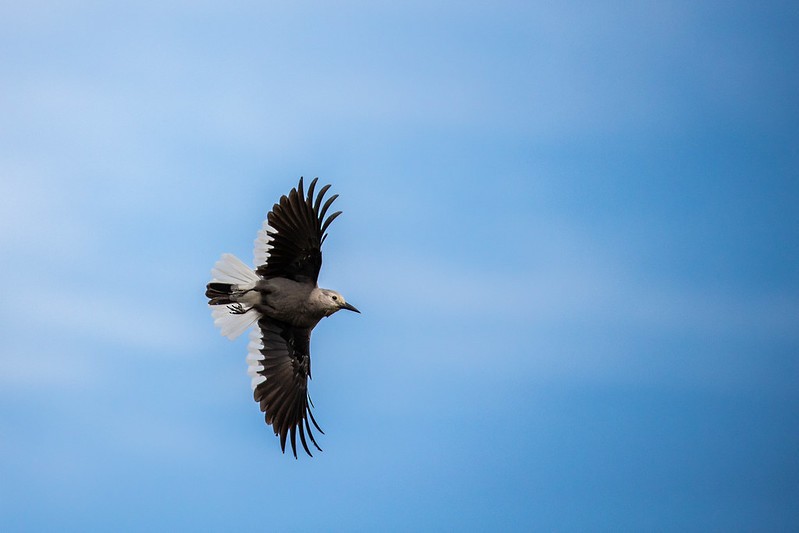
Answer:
(254, 358)
(262, 246)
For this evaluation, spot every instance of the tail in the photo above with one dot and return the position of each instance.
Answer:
(219, 293)
(229, 293)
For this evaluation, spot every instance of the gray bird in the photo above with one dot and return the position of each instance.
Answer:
(282, 298)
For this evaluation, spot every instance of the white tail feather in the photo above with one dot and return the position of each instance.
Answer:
(230, 269)
(233, 325)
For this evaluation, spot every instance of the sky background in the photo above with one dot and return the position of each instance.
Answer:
(572, 229)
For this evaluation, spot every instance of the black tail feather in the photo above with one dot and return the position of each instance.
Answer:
(219, 293)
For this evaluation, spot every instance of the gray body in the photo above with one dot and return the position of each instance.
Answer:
(298, 304)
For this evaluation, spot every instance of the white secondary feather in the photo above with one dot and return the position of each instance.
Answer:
(257, 380)
(262, 246)
(230, 269)
(254, 348)
(254, 358)
(232, 325)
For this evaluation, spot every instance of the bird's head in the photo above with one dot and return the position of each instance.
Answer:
(334, 301)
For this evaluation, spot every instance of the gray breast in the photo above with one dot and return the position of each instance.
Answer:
(290, 302)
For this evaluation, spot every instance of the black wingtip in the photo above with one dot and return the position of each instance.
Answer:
(327, 206)
(311, 187)
(329, 220)
(318, 203)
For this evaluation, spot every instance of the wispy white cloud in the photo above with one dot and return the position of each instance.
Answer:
(275, 95)
(100, 315)
(44, 365)
(36, 219)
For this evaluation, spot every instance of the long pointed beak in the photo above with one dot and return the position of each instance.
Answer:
(349, 307)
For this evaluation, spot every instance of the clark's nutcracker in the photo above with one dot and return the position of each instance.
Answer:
(282, 298)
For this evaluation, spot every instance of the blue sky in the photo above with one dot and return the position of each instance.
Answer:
(571, 227)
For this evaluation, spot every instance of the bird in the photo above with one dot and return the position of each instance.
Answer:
(280, 297)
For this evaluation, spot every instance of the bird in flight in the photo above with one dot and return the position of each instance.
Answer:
(282, 299)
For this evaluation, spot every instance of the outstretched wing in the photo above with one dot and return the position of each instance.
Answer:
(280, 364)
(290, 243)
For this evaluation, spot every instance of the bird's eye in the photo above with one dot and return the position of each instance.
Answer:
(335, 297)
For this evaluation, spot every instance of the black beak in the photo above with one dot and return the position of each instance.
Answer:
(349, 308)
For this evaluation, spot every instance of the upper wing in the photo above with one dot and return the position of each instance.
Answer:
(290, 243)
(280, 363)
